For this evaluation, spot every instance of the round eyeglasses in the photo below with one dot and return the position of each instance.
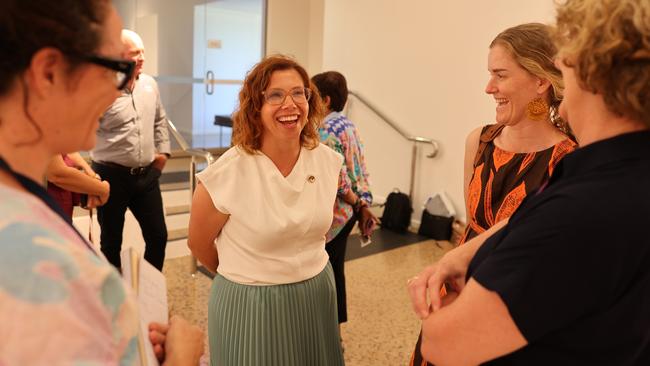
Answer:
(278, 96)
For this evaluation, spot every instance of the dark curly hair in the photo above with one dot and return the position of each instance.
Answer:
(332, 84)
(26, 26)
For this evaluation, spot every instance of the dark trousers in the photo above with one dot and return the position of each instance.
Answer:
(416, 357)
(141, 194)
(336, 250)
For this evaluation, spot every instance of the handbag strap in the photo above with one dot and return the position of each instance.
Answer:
(488, 134)
(39, 191)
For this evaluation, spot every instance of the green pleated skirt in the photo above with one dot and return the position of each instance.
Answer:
(282, 325)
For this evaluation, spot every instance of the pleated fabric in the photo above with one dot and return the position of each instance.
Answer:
(282, 325)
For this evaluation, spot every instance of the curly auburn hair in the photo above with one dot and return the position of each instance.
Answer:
(247, 125)
(532, 47)
(607, 43)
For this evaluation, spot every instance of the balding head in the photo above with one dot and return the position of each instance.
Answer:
(131, 38)
(133, 49)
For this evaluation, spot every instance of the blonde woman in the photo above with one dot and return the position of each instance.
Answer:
(506, 161)
(510, 159)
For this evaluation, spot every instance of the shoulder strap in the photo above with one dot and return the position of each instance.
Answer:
(488, 134)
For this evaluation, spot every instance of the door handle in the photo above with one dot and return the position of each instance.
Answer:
(209, 82)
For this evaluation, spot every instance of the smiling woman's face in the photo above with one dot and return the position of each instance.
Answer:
(283, 123)
(511, 86)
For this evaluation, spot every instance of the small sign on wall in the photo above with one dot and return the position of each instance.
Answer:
(214, 43)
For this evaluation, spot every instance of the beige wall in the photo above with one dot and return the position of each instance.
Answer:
(295, 28)
(424, 64)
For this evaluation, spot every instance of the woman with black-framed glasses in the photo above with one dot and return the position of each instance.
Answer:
(60, 301)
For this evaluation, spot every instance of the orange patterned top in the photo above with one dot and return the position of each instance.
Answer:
(500, 182)
(502, 179)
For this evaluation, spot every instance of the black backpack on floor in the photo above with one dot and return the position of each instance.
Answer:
(397, 212)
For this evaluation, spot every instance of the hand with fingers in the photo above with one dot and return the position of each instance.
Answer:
(159, 162)
(106, 191)
(93, 202)
(367, 221)
(183, 343)
(157, 336)
(450, 270)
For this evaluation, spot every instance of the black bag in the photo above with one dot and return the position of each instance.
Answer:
(397, 212)
(435, 227)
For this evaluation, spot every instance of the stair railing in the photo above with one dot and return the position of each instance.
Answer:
(195, 156)
(415, 139)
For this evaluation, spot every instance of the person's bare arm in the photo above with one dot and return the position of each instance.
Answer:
(450, 269)
(206, 223)
(83, 164)
(474, 328)
(471, 147)
(74, 180)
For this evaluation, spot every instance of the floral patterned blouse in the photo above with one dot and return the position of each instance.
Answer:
(341, 135)
(60, 303)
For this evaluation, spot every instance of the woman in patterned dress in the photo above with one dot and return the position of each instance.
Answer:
(506, 161)
(562, 283)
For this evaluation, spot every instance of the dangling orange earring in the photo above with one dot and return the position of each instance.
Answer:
(537, 110)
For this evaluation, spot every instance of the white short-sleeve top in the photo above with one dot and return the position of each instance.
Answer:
(276, 230)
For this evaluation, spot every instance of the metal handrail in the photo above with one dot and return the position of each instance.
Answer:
(194, 154)
(415, 139)
(434, 144)
(205, 155)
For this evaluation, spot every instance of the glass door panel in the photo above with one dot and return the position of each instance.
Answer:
(199, 52)
(233, 44)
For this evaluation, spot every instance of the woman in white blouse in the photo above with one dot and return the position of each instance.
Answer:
(259, 218)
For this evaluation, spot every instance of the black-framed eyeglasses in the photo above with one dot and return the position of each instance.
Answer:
(123, 68)
(278, 96)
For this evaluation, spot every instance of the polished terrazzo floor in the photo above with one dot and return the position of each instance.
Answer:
(381, 328)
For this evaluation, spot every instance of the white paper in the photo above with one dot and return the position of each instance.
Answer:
(152, 301)
(150, 287)
(152, 294)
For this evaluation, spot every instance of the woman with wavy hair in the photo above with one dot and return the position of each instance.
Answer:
(508, 160)
(567, 280)
(259, 217)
